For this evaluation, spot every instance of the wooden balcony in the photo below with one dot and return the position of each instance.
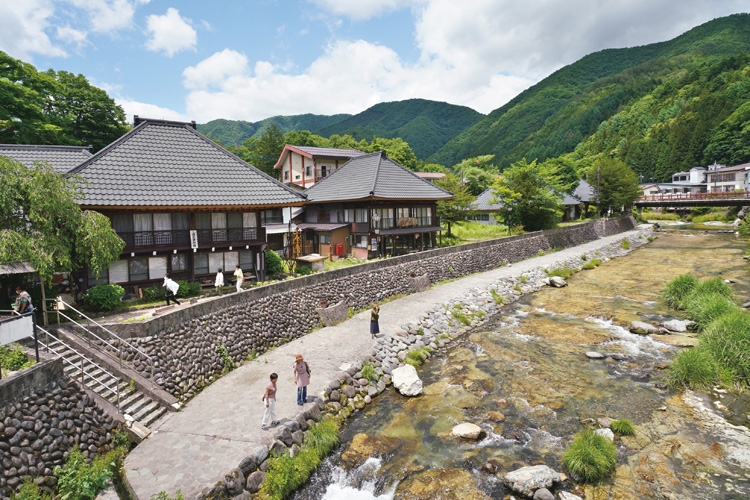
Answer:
(180, 239)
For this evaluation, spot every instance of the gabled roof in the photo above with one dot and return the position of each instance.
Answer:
(375, 177)
(733, 168)
(61, 158)
(484, 201)
(169, 164)
(584, 191)
(569, 200)
(315, 152)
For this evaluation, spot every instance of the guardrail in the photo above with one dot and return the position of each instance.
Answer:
(729, 195)
(83, 375)
(119, 351)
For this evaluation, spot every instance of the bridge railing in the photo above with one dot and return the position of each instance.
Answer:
(729, 195)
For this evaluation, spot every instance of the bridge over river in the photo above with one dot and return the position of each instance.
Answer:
(688, 200)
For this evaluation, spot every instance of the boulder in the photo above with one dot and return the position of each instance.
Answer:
(527, 480)
(557, 282)
(595, 355)
(543, 494)
(255, 481)
(234, 482)
(643, 328)
(607, 433)
(678, 325)
(467, 431)
(406, 381)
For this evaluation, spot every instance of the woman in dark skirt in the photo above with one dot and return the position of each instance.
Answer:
(374, 315)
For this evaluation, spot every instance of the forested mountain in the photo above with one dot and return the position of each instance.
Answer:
(48, 107)
(425, 125)
(660, 108)
(234, 132)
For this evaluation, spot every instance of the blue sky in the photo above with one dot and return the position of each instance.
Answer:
(252, 59)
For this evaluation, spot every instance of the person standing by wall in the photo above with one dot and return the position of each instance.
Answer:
(269, 415)
(240, 276)
(23, 302)
(374, 316)
(301, 378)
(219, 281)
(172, 287)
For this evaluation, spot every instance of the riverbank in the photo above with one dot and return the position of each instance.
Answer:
(196, 447)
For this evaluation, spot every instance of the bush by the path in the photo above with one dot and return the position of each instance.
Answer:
(679, 289)
(590, 457)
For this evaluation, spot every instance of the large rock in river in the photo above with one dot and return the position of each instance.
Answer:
(527, 480)
(467, 431)
(406, 381)
(643, 328)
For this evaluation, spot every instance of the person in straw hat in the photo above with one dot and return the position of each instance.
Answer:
(301, 378)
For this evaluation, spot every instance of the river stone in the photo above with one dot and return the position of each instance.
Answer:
(677, 340)
(406, 381)
(595, 355)
(234, 482)
(255, 481)
(467, 431)
(527, 480)
(607, 433)
(557, 282)
(678, 325)
(566, 495)
(643, 328)
(543, 494)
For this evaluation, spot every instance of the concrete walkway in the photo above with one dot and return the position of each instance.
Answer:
(194, 448)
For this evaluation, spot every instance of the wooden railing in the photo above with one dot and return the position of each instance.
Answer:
(729, 195)
(181, 238)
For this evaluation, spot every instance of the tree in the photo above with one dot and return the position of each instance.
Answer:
(397, 149)
(477, 173)
(263, 152)
(457, 208)
(617, 185)
(41, 223)
(527, 196)
(563, 170)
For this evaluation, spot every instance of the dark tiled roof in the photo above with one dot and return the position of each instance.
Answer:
(484, 201)
(584, 191)
(161, 163)
(377, 177)
(61, 158)
(570, 200)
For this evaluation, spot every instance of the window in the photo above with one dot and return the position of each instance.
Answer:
(118, 271)
(201, 263)
(138, 269)
(386, 218)
(234, 220)
(103, 277)
(122, 223)
(143, 226)
(286, 175)
(359, 240)
(360, 215)
(404, 212)
(231, 259)
(219, 226)
(162, 229)
(324, 214)
(179, 262)
(325, 239)
(308, 171)
(246, 259)
(157, 267)
(215, 262)
(348, 215)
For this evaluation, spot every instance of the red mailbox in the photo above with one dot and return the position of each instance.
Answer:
(339, 249)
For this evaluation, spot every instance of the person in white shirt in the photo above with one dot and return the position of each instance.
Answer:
(172, 287)
(219, 281)
(240, 276)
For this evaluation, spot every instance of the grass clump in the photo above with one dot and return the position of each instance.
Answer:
(523, 278)
(625, 244)
(79, 480)
(703, 309)
(592, 264)
(416, 357)
(368, 372)
(590, 457)
(714, 286)
(496, 296)
(562, 272)
(694, 368)
(286, 474)
(622, 427)
(676, 291)
(727, 339)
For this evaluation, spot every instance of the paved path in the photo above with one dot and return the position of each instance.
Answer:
(192, 449)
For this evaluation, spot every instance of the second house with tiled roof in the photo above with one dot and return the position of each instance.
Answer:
(183, 205)
(371, 207)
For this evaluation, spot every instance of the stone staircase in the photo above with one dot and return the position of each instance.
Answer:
(113, 385)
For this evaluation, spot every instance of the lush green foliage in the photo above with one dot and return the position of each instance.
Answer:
(704, 308)
(694, 368)
(41, 223)
(416, 357)
(677, 290)
(622, 427)
(652, 215)
(457, 208)
(562, 272)
(467, 231)
(617, 185)
(13, 357)
(727, 339)
(79, 480)
(54, 108)
(477, 174)
(714, 286)
(625, 244)
(226, 359)
(528, 196)
(188, 288)
(104, 297)
(590, 457)
(286, 474)
(274, 264)
(368, 371)
(31, 491)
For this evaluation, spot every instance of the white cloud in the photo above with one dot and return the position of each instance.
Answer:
(22, 29)
(145, 110)
(71, 36)
(170, 33)
(108, 16)
(215, 70)
(361, 9)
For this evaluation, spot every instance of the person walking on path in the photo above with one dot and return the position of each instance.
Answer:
(301, 378)
(269, 415)
(219, 281)
(172, 287)
(240, 276)
(374, 315)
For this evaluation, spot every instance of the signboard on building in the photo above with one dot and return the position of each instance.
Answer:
(193, 239)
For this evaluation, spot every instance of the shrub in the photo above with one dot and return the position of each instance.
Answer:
(104, 297)
(153, 293)
(304, 270)
(563, 272)
(13, 357)
(274, 264)
(590, 457)
(79, 480)
(716, 286)
(694, 368)
(593, 263)
(676, 291)
(622, 427)
(727, 339)
(368, 372)
(225, 358)
(625, 244)
(703, 309)
(188, 289)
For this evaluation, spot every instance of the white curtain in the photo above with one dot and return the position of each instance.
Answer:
(157, 267)
(118, 271)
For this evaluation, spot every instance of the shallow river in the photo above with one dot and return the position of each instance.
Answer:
(524, 378)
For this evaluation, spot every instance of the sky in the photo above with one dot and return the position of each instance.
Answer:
(252, 59)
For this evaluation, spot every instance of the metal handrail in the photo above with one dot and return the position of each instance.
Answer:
(115, 392)
(113, 334)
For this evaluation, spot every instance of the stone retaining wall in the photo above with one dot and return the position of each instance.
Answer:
(186, 348)
(43, 416)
